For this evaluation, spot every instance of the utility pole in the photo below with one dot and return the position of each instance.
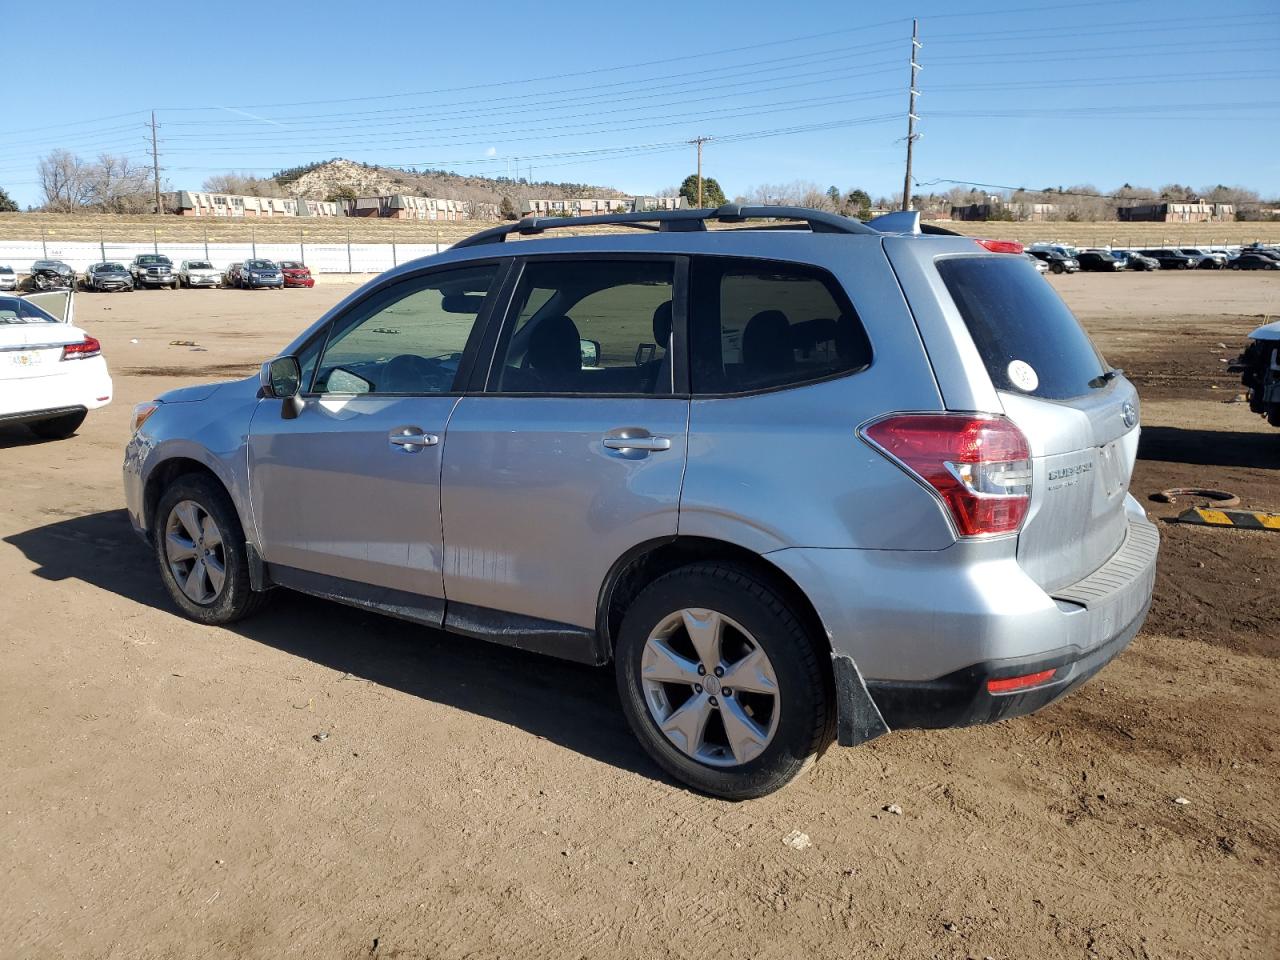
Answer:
(155, 160)
(699, 141)
(911, 113)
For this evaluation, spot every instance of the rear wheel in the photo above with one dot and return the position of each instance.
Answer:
(721, 683)
(58, 428)
(200, 548)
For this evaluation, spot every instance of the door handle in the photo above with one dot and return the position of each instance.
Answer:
(638, 443)
(410, 439)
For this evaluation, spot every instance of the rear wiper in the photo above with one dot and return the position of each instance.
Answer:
(1102, 379)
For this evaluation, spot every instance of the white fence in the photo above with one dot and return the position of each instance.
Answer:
(320, 257)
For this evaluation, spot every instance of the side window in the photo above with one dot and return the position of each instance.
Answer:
(407, 339)
(584, 326)
(756, 324)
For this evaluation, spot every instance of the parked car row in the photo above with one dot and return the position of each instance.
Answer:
(156, 270)
(1060, 258)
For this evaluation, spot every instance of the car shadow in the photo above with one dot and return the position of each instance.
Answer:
(17, 435)
(1213, 448)
(569, 704)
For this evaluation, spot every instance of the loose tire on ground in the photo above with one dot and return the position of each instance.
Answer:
(234, 600)
(805, 715)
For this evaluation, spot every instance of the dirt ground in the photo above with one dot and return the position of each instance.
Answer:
(164, 793)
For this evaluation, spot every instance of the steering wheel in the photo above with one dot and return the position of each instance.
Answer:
(410, 373)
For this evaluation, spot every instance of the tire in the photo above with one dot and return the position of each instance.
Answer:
(232, 599)
(1235, 266)
(1056, 267)
(799, 713)
(58, 428)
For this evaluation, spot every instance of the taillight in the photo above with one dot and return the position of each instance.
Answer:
(86, 348)
(979, 465)
(1001, 246)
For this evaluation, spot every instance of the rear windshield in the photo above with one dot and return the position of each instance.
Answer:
(18, 310)
(1028, 339)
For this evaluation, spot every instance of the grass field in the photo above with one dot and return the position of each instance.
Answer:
(88, 227)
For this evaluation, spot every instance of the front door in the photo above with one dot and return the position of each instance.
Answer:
(573, 454)
(346, 496)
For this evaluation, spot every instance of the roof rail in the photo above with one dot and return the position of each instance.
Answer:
(670, 221)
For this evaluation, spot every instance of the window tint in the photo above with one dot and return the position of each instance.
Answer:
(755, 324)
(19, 310)
(585, 326)
(1028, 339)
(407, 339)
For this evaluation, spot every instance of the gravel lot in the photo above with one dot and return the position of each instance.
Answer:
(164, 793)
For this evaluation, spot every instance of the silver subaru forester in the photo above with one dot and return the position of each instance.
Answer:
(801, 478)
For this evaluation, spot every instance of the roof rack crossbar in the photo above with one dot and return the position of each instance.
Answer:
(668, 221)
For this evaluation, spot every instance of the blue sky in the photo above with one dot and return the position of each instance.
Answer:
(1013, 91)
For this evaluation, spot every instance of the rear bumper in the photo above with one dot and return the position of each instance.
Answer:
(86, 387)
(32, 416)
(927, 630)
(962, 699)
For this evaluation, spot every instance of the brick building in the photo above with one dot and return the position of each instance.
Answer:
(199, 203)
(1171, 212)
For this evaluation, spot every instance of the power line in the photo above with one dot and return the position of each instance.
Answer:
(911, 111)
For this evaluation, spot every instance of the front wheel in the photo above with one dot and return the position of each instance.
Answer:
(200, 548)
(58, 428)
(1057, 268)
(721, 683)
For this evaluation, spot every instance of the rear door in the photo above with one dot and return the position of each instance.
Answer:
(993, 322)
(574, 451)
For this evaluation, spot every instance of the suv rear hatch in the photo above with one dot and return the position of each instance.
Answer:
(1005, 323)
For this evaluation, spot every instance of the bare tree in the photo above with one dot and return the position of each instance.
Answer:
(64, 181)
(118, 185)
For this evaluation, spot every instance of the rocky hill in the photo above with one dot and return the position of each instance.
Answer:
(345, 178)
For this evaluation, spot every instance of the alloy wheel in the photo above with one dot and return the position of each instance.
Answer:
(710, 687)
(195, 552)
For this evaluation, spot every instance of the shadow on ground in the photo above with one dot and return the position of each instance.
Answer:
(571, 705)
(17, 435)
(1213, 448)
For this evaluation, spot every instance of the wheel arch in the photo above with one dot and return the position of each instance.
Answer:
(645, 562)
(164, 475)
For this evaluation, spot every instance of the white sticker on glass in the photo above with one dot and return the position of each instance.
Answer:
(1023, 376)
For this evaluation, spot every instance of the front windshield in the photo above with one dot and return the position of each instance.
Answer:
(18, 310)
(150, 259)
(109, 268)
(199, 265)
(290, 265)
(260, 265)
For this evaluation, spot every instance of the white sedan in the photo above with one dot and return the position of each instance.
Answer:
(51, 372)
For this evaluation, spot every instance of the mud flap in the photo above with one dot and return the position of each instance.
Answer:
(858, 718)
(258, 581)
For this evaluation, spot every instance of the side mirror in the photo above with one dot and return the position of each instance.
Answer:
(281, 379)
(590, 350)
